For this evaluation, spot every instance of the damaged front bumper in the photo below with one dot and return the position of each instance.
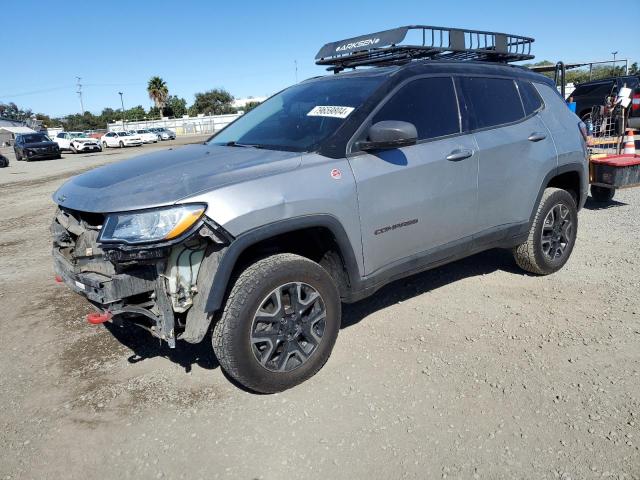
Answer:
(155, 286)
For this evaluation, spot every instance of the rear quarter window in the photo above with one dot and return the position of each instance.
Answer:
(531, 100)
(492, 101)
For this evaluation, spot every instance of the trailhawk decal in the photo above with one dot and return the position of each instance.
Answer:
(395, 227)
(330, 111)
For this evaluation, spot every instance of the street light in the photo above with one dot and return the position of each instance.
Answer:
(122, 103)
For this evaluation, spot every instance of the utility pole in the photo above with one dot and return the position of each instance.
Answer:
(122, 103)
(79, 92)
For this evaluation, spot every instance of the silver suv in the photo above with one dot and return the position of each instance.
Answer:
(324, 193)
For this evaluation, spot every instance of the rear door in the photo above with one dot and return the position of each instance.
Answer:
(413, 200)
(515, 148)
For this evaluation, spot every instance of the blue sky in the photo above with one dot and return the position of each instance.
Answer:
(249, 47)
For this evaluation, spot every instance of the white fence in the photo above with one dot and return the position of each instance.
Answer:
(182, 126)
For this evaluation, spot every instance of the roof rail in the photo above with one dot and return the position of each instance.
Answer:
(385, 48)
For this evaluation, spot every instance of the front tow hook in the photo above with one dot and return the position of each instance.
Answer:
(96, 318)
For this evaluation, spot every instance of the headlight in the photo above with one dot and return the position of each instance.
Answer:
(150, 225)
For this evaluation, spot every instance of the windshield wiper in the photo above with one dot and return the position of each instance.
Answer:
(246, 145)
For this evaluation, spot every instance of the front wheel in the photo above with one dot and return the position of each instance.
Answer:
(121, 144)
(104, 145)
(602, 194)
(279, 324)
(552, 234)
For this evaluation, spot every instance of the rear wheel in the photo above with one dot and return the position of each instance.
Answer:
(104, 145)
(279, 323)
(121, 144)
(602, 194)
(18, 156)
(552, 235)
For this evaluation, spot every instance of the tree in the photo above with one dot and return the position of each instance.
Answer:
(135, 113)
(47, 121)
(249, 106)
(213, 102)
(158, 92)
(175, 107)
(633, 69)
(12, 111)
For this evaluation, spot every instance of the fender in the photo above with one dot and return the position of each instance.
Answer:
(228, 261)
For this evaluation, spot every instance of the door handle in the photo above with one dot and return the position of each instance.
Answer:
(458, 155)
(536, 137)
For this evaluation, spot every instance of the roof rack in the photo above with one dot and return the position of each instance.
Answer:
(384, 48)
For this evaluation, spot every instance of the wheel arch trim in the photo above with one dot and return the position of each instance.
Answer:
(220, 282)
(573, 167)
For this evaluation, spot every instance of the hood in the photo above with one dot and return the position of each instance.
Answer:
(85, 140)
(163, 178)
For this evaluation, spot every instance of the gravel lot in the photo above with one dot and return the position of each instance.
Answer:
(473, 370)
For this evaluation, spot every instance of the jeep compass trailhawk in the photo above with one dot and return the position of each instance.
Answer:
(324, 193)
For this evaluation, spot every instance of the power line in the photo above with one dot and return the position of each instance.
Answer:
(35, 92)
(79, 91)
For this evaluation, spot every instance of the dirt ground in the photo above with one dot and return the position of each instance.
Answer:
(473, 370)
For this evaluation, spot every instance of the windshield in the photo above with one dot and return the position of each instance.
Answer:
(35, 138)
(143, 131)
(77, 135)
(123, 134)
(300, 117)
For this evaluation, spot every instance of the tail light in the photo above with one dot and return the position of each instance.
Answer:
(635, 102)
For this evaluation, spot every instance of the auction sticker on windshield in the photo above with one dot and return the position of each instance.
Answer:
(330, 111)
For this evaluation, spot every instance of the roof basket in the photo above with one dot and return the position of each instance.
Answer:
(385, 48)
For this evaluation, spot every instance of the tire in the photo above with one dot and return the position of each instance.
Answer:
(238, 335)
(121, 144)
(104, 145)
(602, 194)
(560, 237)
(73, 149)
(18, 156)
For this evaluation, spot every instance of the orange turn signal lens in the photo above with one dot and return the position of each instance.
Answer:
(189, 218)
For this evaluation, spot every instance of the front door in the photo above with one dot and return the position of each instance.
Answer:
(419, 199)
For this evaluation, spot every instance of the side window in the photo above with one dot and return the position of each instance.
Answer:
(429, 103)
(60, 135)
(493, 101)
(530, 97)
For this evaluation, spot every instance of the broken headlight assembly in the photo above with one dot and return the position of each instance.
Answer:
(149, 226)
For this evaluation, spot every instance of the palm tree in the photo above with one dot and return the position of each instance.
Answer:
(158, 92)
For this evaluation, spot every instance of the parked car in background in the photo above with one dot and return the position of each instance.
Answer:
(165, 133)
(146, 136)
(77, 142)
(589, 94)
(97, 134)
(35, 146)
(120, 139)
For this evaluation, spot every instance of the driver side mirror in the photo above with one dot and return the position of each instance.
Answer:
(390, 134)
